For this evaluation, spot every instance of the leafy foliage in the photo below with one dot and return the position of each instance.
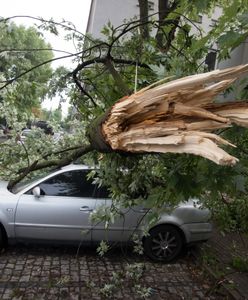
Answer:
(21, 50)
(157, 180)
(108, 69)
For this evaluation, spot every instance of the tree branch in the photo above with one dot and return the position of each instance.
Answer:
(117, 78)
(46, 21)
(34, 50)
(82, 90)
(164, 10)
(108, 62)
(143, 8)
(129, 62)
(10, 81)
(62, 151)
(46, 164)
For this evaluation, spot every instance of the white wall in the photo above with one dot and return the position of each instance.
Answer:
(117, 10)
(114, 11)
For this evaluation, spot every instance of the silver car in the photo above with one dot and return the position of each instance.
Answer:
(57, 207)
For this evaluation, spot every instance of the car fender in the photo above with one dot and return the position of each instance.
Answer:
(169, 220)
(175, 221)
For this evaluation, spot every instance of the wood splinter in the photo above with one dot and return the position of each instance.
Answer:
(176, 117)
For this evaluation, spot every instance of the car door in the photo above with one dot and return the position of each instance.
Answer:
(125, 224)
(61, 212)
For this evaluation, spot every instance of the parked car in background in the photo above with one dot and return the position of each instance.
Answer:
(25, 132)
(57, 207)
(56, 136)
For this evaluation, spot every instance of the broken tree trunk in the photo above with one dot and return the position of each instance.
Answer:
(175, 117)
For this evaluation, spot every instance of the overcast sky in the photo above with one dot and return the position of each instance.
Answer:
(75, 11)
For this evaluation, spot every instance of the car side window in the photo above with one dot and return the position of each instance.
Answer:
(102, 192)
(69, 184)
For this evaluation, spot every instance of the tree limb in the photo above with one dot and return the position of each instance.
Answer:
(164, 10)
(62, 151)
(82, 90)
(46, 164)
(143, 8)
(117, 78)
(46, 21)
(10, 81)
(34, 50)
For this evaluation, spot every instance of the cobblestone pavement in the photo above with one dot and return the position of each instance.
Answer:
(29, 272)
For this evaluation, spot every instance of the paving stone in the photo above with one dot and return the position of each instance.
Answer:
(56, 273)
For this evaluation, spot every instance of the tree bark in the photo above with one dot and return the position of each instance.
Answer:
(117, 78)
(144, 11)
(165, 8)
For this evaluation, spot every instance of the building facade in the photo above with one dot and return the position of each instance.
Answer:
(116, 11)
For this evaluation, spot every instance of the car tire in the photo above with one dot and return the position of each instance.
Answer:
(2, 238)
(164, 243)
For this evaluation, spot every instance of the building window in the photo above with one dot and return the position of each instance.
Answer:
(199, 19)
(213, 23)
(150, 5)
(210, 60)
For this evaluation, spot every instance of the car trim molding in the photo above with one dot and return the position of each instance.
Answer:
(52, 226)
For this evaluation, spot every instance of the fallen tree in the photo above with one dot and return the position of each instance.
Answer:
(165, 118)
(179, 116)
(175, 117)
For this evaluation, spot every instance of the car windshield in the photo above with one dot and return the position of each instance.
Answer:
(27, 181)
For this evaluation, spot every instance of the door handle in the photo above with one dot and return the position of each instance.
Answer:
(85, 208)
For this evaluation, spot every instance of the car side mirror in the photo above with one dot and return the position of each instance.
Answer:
(36, 191)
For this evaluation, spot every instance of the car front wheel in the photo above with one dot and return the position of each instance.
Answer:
(164, 243)
(2, 238)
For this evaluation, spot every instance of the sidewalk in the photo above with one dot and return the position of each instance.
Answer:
(225, 256)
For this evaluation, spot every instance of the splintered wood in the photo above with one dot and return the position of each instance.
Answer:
(178, 117)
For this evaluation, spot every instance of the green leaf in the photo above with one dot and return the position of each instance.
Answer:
(231, 39)
(243, 18)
